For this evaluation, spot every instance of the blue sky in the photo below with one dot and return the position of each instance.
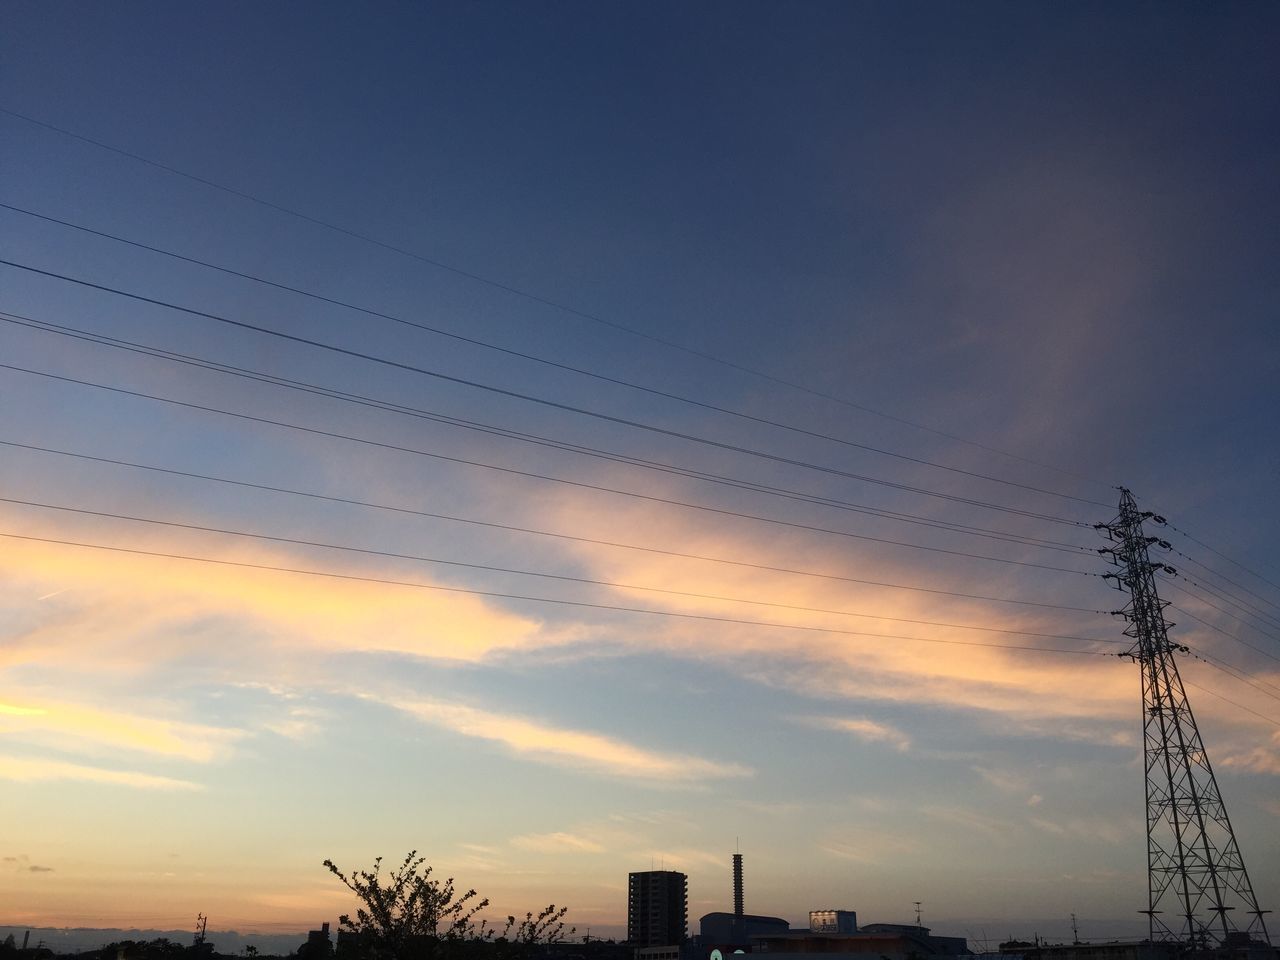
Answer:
(1025, 241)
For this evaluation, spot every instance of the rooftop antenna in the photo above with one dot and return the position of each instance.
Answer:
(1075, 932)
(917, 903)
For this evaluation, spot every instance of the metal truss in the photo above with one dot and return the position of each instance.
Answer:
(1195, 871)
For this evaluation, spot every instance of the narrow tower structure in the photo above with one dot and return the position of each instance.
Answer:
(737, 886)
(1199, 893)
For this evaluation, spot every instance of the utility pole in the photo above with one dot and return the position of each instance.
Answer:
(1194, 868)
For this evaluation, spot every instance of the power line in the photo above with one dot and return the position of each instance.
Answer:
(645, 463)
(1218, 629)
(538, 476)
(491, 568)
(543, 533)
(1226, 613)
(1209, 570)
(1219, 553)
(1240, 706)
(547, 600)
(535, 298)
(1262, 686)
(1235, 602)
(530, 398)
(543, 360)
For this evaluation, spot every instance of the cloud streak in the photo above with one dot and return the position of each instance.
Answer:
(27, 770)
(864, 729)
(289, 610)
(543, 743)
(557, 842)
(72, 725)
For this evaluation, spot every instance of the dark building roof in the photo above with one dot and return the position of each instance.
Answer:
(726, 929)
(890, 940)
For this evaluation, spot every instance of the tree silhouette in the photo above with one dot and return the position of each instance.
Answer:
(546, 927)
(404, 913)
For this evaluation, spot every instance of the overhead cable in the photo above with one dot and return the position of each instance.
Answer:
(538, 476)
(617, 381)
(1234, 703)
(1221, 576)
(491, 568)
(541, 533)
(531, 398)
(1219, 553)
(1006, 536)
(806, 628)
(1181, 587)
(1242, 605)
(1217, 629)
(535, 298)
(1262, 686)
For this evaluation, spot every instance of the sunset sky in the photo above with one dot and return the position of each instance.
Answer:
(570, 438)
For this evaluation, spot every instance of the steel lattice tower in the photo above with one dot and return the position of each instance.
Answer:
(1195, 871)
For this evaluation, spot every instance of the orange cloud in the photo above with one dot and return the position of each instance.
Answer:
(72, 725)
(1078, 695)
(869, 731)
(547, 744)
(120, 597)
(27, 769)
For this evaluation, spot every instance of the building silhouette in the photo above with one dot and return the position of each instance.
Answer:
(657, 908)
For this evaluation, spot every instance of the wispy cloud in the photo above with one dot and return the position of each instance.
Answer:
(298, 723)
(968, 819)
(686, 857)
(1263, 758)
(1106, 830)
(1005, 780)
(557, 843)
(289, 610)
(876, 659)
(74, 725)
(867, 846)
(25, 769)
(543, 743)
(864, 729)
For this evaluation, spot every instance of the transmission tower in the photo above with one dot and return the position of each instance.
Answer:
(1194, 868)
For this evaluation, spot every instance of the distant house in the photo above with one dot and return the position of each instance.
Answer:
(318, 945)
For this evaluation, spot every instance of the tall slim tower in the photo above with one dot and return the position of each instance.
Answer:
(737, 886)
(1196, 876)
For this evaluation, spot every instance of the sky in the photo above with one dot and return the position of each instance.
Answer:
(567, 439)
